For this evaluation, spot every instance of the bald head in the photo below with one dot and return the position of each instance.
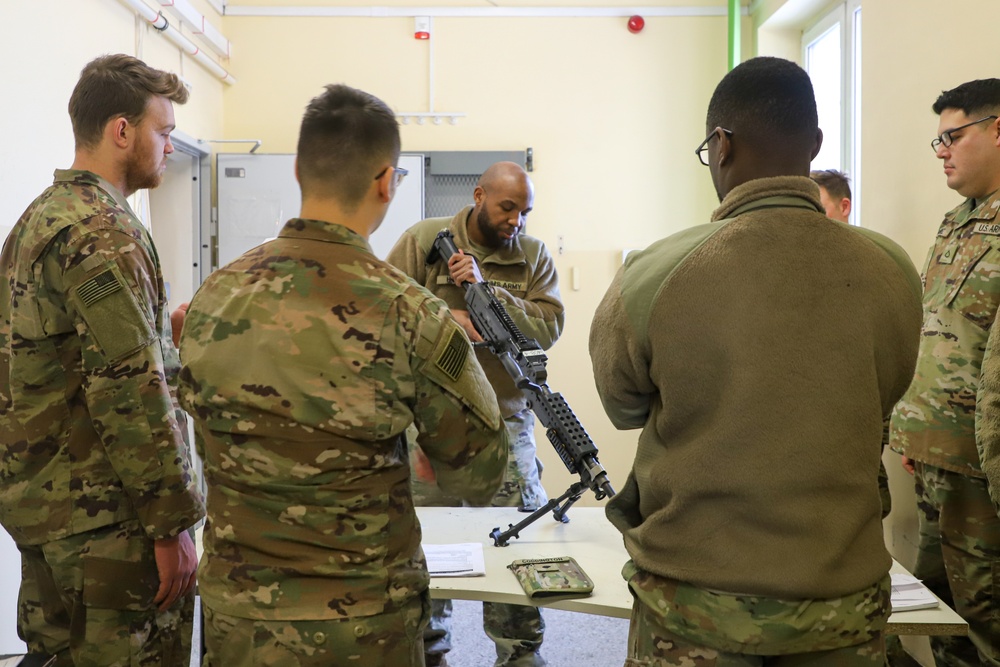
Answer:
(504, 196)
(503, 173)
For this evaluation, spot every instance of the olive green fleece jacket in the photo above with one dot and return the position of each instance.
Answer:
(759, 354)
(524, 279)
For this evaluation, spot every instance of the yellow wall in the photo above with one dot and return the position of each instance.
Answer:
(613, 119)
(907, 63)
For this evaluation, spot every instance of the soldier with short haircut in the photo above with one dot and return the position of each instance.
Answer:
(305, 360)
(96, 486)
(759, 354)
(834, 193)
(493, 247)
(947, 427)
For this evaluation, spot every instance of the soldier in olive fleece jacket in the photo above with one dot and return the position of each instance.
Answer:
(759, 354)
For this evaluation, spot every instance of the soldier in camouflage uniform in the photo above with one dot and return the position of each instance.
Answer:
(95, 474)
(522, 272)
(760, 355)
(948, 423)
(304, 361)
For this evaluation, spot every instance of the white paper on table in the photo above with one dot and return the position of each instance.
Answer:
(455, 560)
(909, 593)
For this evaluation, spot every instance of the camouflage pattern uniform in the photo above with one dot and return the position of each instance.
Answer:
(94, 463)
(305, 360)
(525, 281)
(752, 534)
(678, 624)
(936, 425)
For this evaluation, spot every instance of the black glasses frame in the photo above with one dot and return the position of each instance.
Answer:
(945, 139)
(702, 150)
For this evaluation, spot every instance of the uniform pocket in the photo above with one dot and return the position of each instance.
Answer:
(119, 585)
(976, 293)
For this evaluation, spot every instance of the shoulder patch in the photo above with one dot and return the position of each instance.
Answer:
(98, 287)
(452, 358)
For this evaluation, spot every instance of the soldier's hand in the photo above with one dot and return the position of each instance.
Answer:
(422, 466)
(177, 321)
(463, 318)
(463, 268)
(907, 464)
(176, 562)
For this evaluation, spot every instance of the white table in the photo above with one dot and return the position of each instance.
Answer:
(597, 546)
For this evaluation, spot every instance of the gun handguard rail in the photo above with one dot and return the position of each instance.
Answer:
(524, 359)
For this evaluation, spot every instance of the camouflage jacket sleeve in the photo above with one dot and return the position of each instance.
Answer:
(540, 314)
(988, 414)
(114, 298)
(621, 367)
(455, 410)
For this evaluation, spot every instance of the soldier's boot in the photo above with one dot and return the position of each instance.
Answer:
(437, 634)
(517, 632)
(435, 660)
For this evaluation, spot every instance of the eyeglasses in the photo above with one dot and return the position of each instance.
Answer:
(702, 150)
(946, 139)
(398, 174)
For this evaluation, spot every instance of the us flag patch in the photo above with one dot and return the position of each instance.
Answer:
(98, 287)
(451, 361)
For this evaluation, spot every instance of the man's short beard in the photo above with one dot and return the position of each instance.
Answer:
(136, 180)
(491, 236)
(137, 177)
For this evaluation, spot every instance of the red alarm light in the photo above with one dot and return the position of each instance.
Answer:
(636, 23)
(422, 27)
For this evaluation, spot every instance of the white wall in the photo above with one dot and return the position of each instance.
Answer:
(44, 44)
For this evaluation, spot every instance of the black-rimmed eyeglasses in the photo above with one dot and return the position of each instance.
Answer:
(946, 139)
(702, 150)
(398, 174)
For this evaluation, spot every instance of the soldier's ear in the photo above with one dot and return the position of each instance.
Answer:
(384, 186)
(119, 131)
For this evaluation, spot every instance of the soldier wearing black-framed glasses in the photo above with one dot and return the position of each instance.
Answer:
(946, 139)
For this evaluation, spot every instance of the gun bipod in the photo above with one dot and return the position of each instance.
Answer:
(573, 494)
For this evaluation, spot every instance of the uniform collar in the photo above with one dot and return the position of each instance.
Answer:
(774, 192)
(82, 177)
(985, 209)
(328, 232)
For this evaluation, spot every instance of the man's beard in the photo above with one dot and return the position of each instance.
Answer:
(137, 174)
(491, 236)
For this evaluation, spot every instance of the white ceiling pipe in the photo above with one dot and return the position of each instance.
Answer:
(199, 25)
(477, 12)
(160, 23)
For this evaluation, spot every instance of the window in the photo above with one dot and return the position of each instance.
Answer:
(832, 57)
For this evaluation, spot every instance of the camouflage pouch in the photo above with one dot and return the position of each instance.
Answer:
(544, 577)
(120, 585)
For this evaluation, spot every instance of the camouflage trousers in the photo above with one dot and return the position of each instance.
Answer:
(389, 639)
(516, 630)
(88, 600)
(959, 560)
(678, 624)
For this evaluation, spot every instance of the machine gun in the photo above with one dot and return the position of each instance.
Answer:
(524, 360)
